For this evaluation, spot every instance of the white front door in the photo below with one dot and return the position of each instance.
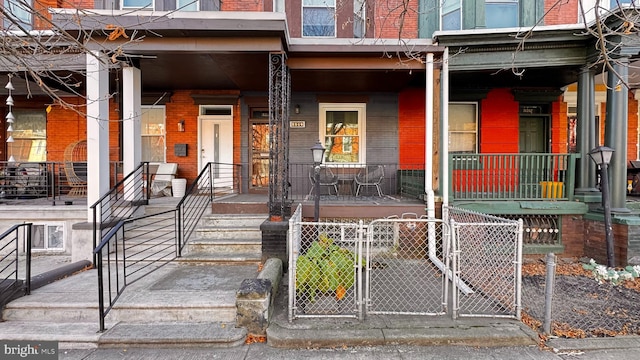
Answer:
(216, 147)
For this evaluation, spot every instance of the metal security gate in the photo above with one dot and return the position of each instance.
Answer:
(488, 260)
(406, 260)
(404, 266)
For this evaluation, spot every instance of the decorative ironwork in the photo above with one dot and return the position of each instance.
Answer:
(279, 98)
(539, 229)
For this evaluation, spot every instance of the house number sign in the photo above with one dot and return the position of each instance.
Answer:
(297, 124)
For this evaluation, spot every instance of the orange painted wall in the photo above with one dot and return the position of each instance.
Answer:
(499, 122)
(411, 128)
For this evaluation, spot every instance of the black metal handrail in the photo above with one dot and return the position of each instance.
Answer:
(120, 202)
(215, 180)
(11, 285)
(132, 249)
(136, 246)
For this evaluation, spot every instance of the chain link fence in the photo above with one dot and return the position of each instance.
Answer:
(404, 265)
(578, 306)
(488, 264)
(406, 259)
(325, 262)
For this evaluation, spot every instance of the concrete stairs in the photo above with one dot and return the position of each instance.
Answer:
(189, 302)
(226, 239)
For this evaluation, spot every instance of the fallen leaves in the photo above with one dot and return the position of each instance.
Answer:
(252, 339)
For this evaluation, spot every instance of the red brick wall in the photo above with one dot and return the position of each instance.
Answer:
(499, 122)
(560, 12)
(595, 245)
(65, 126)
(395, 19)
(411, 127)
(181, 107)
(242, 5)
(572, 231)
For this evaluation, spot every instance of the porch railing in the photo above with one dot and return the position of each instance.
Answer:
(48, 180)
(512, 176)
(398, 181)
(12, 285)
(120, 202)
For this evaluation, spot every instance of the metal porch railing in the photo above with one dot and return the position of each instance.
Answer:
(46, 180)
(13, 284)
(136, 246)
(398, 181)
(512, 176)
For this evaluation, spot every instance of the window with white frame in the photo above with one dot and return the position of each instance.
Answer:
(319, 18)
(153, 134)
(342, 128)
(187, 5)
(47, 236)
(501, 13)
(359, 19)
(18, 15)
(463, 128)
(137, 4)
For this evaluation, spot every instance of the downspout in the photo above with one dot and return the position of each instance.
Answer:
(444, 158)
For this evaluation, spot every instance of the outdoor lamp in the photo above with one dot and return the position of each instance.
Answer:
(297, 109)
(602, 157)
(318, 153)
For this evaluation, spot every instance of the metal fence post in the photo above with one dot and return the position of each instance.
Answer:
(548, 291)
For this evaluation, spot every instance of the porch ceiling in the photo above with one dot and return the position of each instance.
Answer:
(250, 72)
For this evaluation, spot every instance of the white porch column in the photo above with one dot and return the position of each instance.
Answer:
(131, 113)
(428, 133)
(97, 128)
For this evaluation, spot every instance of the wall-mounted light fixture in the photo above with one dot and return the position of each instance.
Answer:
(181, 125)
(297, 109)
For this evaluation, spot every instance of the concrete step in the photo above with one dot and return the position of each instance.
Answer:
(86, 335)
(209, 246)
(227, 232)
(229, 220)
(250, 258)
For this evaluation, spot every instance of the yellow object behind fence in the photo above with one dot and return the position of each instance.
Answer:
(552, 189)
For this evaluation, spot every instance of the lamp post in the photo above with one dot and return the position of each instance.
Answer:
(602, 157)
(318, 153)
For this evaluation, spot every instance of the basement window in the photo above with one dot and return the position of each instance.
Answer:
(47, 236)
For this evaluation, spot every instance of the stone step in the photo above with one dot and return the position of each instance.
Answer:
(211, 246)
(227, 232)
(235, 220)
(197, 311)
(250, 258)
(86, 335)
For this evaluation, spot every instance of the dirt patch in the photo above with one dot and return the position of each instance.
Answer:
(581, 306)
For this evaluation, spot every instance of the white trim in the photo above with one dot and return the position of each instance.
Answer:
(361, 108)
(45, 240)
(145, 109)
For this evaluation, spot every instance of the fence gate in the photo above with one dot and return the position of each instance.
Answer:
(405, 265)
(487, 264)
(406, 259)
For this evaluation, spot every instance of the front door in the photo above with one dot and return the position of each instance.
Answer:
(532, 139)
(216, 147)
(533, 135)
(260, 155)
